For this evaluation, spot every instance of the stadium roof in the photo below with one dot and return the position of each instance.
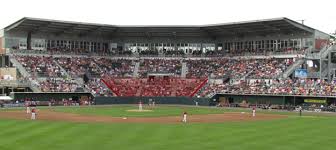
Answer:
(258, 27)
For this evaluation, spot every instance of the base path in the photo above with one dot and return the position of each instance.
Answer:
(209, 118)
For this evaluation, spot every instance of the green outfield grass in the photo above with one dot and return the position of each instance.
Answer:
(166, 110)
(121, 110)
(293, 133)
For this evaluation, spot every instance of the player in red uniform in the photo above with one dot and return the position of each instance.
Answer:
(33, 114)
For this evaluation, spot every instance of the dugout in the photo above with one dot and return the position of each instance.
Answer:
(100, 100)
(266, 99)
(46, 96)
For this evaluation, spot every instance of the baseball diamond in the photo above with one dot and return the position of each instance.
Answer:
(103, 128)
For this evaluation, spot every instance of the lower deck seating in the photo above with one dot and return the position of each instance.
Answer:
(154, 86)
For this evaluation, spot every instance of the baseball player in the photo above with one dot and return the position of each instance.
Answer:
(254, 112)
(27, 107)
(150, 102)
(33, 114)
(184, 117)
(140, 106)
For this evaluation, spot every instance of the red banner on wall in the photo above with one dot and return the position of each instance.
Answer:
(319, 43)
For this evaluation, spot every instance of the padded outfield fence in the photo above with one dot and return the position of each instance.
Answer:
(283, 101)
(112, 100)
(280, 101)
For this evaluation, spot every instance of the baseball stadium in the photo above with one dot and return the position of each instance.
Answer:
(257, 85)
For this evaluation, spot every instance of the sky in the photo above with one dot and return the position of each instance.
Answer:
(319, 14)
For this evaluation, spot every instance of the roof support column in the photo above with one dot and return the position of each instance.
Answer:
(29, 40)
(329, 66)
(300, 43)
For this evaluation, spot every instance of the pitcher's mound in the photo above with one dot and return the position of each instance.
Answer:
(137, 110)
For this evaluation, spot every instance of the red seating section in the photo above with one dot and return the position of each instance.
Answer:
(145, 87)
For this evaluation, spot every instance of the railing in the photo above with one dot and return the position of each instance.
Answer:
(14, 83)
(325, 53)
(18, 65)
(325, 73)
(313, 75)
(184, 70)
(136, 69)
(110, 86)
(243, 54)
(277, 94)
(25, 74)
(292, 68)
(62, 69)
(246, 75)
(198, 88)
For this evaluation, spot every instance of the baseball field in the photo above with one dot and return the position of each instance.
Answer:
(123, 127)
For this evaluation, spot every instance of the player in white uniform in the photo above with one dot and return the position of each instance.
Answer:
(27, 107)
(140, 106)
(184, 117)
(254, 112)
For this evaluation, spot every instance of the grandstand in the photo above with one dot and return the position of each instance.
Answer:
(259, 57)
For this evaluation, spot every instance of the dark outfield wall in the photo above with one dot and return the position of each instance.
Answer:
(48, 96)
(272, 99)
(158, 100)
(234, 98)
(113, 100)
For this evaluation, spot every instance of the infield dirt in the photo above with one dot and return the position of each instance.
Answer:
(50, 115)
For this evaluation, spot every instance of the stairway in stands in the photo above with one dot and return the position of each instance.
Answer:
(184, 70)
(136, 69)
(292, 68)
(25, 74)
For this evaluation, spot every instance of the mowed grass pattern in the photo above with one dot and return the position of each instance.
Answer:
(121, 110)
(164, 110)
(293, 133)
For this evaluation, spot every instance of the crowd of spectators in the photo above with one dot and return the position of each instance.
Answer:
(98, 88)
(149, 53)
(205, 68)
(268, 68)
(153, 87)
(66, 50)
(159, 66)
(171, 52)
(312, 87)
(244, 52)
(123, 86)
(40, 66)
(116, 67)
(238, 68)
(58, 85)
(263, 72)
(187, 87)
(78, 66)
